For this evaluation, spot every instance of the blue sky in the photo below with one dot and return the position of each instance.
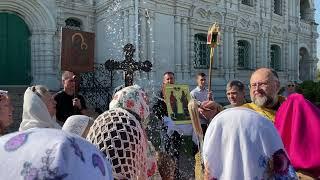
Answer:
(318, 21)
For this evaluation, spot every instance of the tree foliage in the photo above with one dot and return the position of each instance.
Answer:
(310, 90)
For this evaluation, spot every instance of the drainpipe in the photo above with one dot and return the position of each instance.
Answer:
(136, 9)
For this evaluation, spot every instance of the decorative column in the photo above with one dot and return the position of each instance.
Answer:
(184, 46)
(231, 53)
(290, 68)
(257, 49)
(126, 26)
(43, 66)
(266, 50)
(143, 36)
(226, 48)
(131, 23)
(191, 52)
(178, 61)
(296, 57)
(285, 61)
(150, 42)
(261, 51)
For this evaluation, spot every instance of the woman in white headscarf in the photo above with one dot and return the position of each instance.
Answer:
(119, 133)
(39, 109)
(241, 144)
(78, 124)
(39, 154)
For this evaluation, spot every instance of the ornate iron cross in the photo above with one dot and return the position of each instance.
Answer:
(129, 66)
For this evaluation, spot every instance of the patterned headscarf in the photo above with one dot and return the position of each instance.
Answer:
(119, 135)
(51, 154)
(134, 100)
(242, 144)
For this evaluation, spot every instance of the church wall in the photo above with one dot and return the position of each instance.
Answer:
(258, 25)
(164, 33)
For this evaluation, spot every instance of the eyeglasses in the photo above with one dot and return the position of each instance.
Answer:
(258, 84)
(291, 85)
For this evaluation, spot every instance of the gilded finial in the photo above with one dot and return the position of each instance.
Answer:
(213, 37)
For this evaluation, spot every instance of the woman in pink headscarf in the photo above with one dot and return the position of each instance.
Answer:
(298, 122)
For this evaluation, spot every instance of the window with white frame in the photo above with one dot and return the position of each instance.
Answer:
(244, 54)
(275, 54)
(277, 8)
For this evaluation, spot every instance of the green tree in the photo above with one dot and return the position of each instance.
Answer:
(318, 74)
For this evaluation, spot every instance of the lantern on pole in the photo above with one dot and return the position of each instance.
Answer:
(213, 40)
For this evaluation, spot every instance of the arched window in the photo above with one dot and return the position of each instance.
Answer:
(305, 10)
(73, 23)
(247, 2)
(304, 70)
(275, 54)
(277, 7)
(244, 54)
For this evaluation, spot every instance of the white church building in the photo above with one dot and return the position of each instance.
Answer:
(280, 34)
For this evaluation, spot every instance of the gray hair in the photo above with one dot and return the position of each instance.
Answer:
(65, 74)
(236, 83)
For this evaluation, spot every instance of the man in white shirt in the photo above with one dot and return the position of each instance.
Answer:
(201, 94)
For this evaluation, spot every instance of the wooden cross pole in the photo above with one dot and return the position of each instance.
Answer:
(129, 66)
(213, 40)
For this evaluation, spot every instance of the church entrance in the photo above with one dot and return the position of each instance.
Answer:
(15, 52)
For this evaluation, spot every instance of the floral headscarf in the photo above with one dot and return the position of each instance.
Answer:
(39, 154)
(242, 144)
(134, 100)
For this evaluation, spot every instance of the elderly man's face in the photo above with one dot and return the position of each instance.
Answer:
(69, 82)
(264, 88)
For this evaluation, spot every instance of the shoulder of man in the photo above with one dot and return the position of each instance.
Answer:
(193, 91)
(227, 106)
(59, 94)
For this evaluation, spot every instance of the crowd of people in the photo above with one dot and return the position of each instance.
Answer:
(271, 137)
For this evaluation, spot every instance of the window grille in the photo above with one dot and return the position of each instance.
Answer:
(247, 2)
(202, 51)
(243, 54)
(277, 7)
(73, 24)
(275, 55)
